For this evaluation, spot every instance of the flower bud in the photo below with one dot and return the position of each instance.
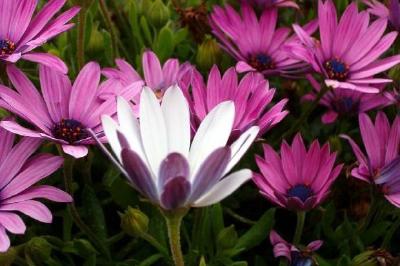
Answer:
(134, 222)
(373, 258)
(7, 258)
(96, 42)
(208, 54)
(39, 249)
(158, 13)
(227, 238)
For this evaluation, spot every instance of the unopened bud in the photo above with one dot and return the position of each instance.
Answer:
(208, 54)
(7, 258)
(134, 222)
(158, 13)
(39, 249)
(227, 238)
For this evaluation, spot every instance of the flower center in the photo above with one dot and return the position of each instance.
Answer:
(299, 259)
(346, 105)
(302, 192)
(261, 62)
(337, 69)
(70, 130)
(7, 47)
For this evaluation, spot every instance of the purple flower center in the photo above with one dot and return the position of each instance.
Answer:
(302, 192)
(7, 47)
(299, 259)
(70, 130)
(261, 62)
(346, 105)
(337, 69)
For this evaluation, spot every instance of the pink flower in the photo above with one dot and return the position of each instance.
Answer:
(272, 3)
(381, 163)
(62, 113)
(125, 80)
(341, 102)
(390, 12)
(347, 56)
(252, 98)
(18, 193)
(256, 43)
(20, 33)
(297, 257)
(297, 179)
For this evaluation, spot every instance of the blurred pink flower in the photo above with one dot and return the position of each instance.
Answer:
(63, 112)
(390, 12)
(381, 163)
(282, 248)
(18, 193)
(252, 98)
(347, 55)
(272, 3)
(256, 43)
(297, 179)
(20, 33)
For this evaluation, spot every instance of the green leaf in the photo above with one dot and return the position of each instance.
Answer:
(164, 44)
(257, 233)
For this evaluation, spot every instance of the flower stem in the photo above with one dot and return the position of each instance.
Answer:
(3, 74)
(304, 116)
(173, 220)
(68, 181)
(109, 23)
(301, 217)
(154, 242)
(81, 38)
(389, 235)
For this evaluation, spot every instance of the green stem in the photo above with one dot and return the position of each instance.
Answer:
(80, 60)
(3, 74)
(371, 212)
(304, 116)
(154, 242)
(68, 181)
(109, 23)
(174, 220)
(388, 237)
(283, 262)
(301, 217)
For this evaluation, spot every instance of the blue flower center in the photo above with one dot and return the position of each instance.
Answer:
(346, 105)
(70, 130)
(261, 62)
(302, 192)
(7, 47)
(299, 259)
(337, 69)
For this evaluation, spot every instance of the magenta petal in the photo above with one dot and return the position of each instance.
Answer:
(315, 245)
(175, 193)
(49, 60)
(242, 67)
(31, 208)
(44, 192)
(173, 166)
(12, 222)
(152, 70)
(13, 127)
(4, 240)
(76, 151)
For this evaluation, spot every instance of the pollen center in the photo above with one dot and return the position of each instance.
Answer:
(70, 130)
(7, 47)
(346, 105)
(261, 62)
(302, 192)
(337, 69)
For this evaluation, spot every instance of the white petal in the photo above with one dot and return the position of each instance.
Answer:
(224, 188)
(110, 128)
(177, 120)
(241, 145)
(152, 129)
(213, 133)
(129, 127)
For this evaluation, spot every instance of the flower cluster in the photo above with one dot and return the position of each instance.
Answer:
(187, 137)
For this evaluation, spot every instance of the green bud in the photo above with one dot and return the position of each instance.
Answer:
(134, 222)
(373, 258)
(335, 143)
(96, 42)
(7, 258)
(202, 261)
(38, 249)
(227, 238)
(158, 13)
(208, 54)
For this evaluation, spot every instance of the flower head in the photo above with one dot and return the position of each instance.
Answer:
(390, 12)
(295, 256)
(252, 98)
(21, 33)
(125, 80)
(272, 3)
(62, 112)
(297, 179)
(18, 193)
(347, 56)
(163, 164)
(344, 103)
(381, 163)
(256, 43)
